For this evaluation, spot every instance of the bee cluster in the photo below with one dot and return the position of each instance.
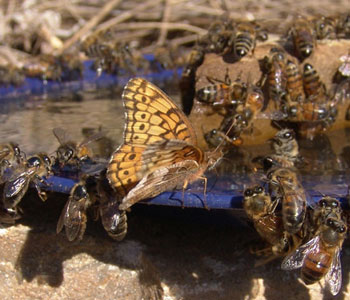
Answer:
(92, 191)
(306, 236)
(280, 81)
(283, 84)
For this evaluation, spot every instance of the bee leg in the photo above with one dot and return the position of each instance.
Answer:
(274, 204)
(42, 195)
(227, 77)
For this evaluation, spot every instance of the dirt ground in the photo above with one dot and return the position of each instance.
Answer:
(169, 253)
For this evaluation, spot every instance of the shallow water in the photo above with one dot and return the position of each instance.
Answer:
(29, 122)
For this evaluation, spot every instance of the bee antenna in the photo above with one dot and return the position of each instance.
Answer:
(277, 125)
(226, 134)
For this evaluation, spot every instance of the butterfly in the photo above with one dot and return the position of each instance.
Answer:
(160, 150)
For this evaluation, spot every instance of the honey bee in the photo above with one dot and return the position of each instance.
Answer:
(275, 64)
(314, 89)
(303, 36)
(253, 105)
(325, 27)
(320, 256)
(11, 75)
(73, 216)
(261, 209)
(285, 144)
(343, 26)
(286, 151)
(326, 207)
(101, 52)
(242, 120)
(33, 171)
(225, 93)
(193, 61)
(71, 65)
(45, 67)
(295, 89)
(70, 151)
(292, 195)
(93, 47)
(216, 137)
(306, 111)
(245, 36)
(113, 219)
(9, 154)
(166, 57)
(9, 215)
(218, 36)
(187, 81)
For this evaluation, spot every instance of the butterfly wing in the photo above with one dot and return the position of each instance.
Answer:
(162, 154)
(151, 118)
(162, 179)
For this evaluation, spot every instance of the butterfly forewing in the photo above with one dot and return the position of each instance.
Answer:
(151, 116)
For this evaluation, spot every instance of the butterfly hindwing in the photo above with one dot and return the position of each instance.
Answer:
(167, 153)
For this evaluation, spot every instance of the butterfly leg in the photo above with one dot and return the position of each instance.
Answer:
(184, 187)
(205, 204)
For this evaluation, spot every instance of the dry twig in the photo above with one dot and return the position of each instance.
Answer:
(90, 24)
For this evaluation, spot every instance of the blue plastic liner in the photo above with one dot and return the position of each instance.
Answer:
(89, 79)
(230, 198)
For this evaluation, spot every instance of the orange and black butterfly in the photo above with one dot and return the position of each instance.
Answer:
(160, 150)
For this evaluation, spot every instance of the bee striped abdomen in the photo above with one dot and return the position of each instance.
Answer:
(312, 83)
(293, 210)
(243, 44)
(294, 82)
(316, 265)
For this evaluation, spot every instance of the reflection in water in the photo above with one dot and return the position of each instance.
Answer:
(31, 125)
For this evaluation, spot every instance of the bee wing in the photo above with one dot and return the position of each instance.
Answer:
(74, 219)
(4, 152)
(273, 115)
(62, 218)
(334, 275)
(61, 135)
(296, 259)
(12, 187)
(92, 138)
